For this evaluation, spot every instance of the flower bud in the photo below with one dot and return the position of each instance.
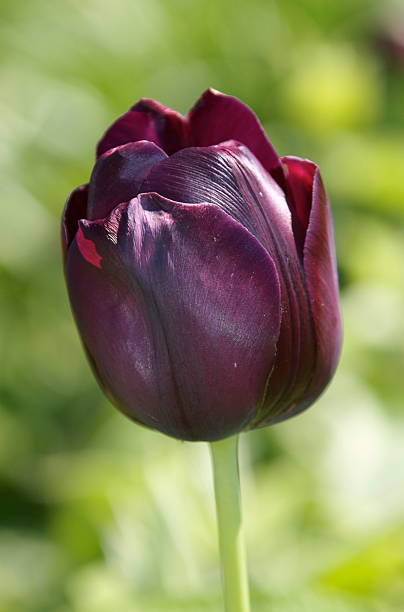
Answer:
(201, 271)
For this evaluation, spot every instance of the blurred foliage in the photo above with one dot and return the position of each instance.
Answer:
(97, 514)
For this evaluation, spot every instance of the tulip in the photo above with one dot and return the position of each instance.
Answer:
(201, 271)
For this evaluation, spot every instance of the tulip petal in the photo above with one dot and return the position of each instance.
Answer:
(188, 303)
(299, 176)
(118, 175)
(217, 117)
(229, 176)
(146, 120)
(75, 209)
(321, 280)
(320, 267)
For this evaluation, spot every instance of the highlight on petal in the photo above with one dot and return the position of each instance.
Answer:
(118, 175)
(217, 117)
(182, 350)
(75, 209)
(146, 120)
(88, 249)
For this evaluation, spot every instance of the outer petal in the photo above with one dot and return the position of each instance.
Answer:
(118, 175)
(178, 306)
(147, 120)
(321, 279)
(75, 209)
(231, 177)
(217, 117)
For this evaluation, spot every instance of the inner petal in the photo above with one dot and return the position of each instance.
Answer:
(118, 175)
(229, 176)
(217, 117)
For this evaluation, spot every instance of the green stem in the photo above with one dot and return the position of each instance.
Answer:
(228, 509)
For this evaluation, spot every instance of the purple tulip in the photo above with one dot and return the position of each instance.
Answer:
(201, 271)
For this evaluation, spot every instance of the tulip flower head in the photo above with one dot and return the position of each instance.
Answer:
(201, 271)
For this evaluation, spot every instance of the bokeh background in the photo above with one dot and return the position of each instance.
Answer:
(97, 514)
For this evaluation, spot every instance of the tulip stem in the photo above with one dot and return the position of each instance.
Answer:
(228, 510)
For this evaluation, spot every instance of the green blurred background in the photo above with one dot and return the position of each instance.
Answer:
(97, 514)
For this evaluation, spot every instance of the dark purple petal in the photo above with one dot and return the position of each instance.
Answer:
(147, 120)
(321, 280)
(75, 209)
(216, 118)
(229, 176)
(189, 307)
(118, 175)
(132, 126)
(171, 127)
(299, 177)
